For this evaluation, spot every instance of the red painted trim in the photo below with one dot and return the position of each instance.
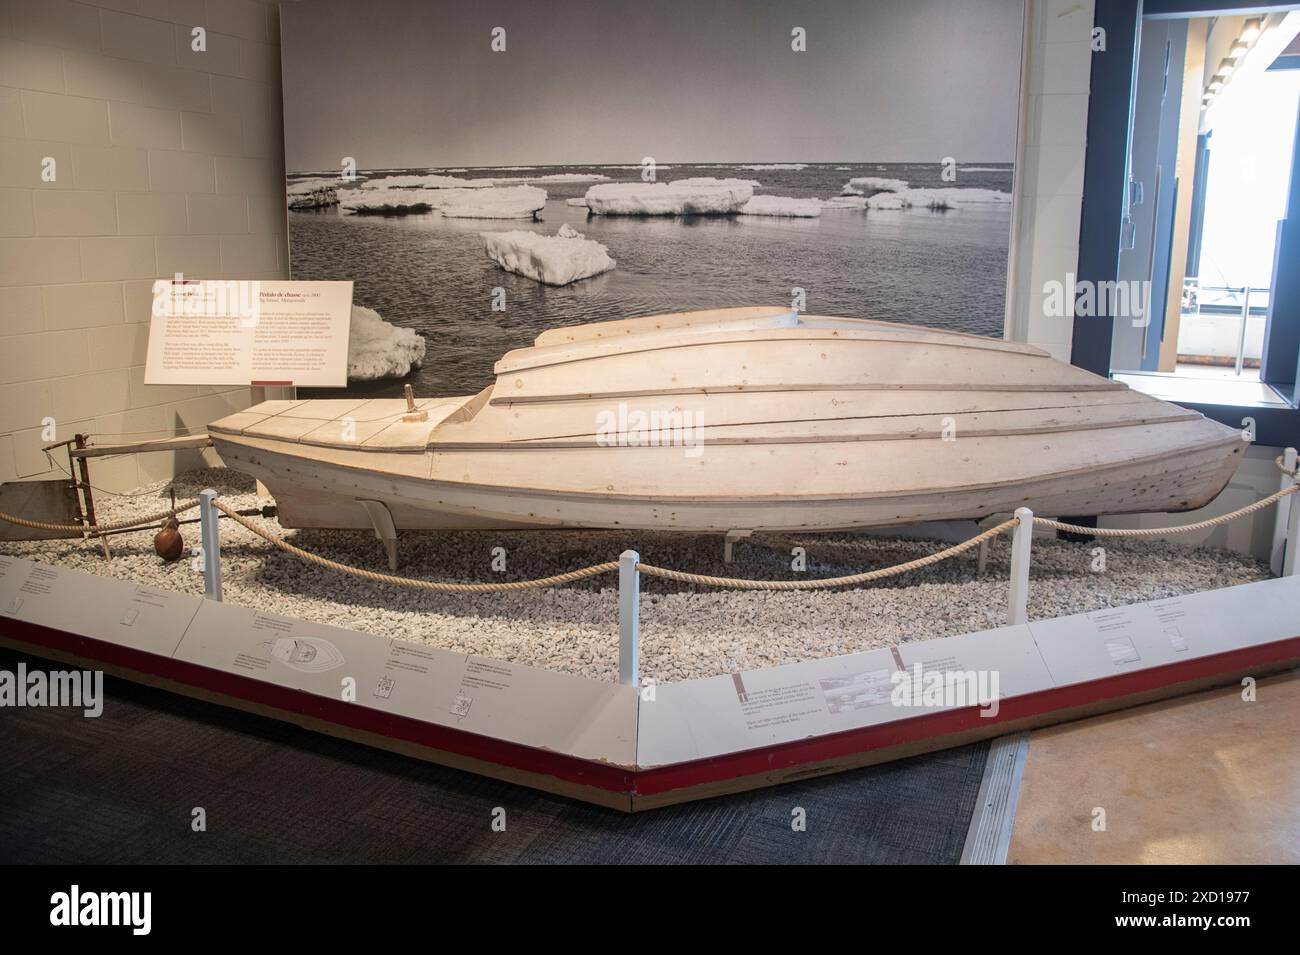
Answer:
(666, 778)
(270, 384)
(501, 752)
(911, 729)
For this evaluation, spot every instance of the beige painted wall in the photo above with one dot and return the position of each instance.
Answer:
(1049, 167)
(166, 160)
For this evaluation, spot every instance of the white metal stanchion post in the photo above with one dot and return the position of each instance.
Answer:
(629, 618)
(211, 541)
(1018, 599)
(1291, 563)
(1286, 508)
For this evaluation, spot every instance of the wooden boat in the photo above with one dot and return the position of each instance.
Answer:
(748, 418)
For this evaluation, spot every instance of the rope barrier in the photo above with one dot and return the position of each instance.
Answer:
(99, 528)
(436, 586)
(597, 569)
(1161, 531)
(739, 583)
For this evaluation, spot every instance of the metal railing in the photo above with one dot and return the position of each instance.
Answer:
(1245, 291)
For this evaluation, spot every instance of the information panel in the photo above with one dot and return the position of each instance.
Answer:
(220, 332)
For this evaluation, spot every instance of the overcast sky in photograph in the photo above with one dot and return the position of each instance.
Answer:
(398, 83)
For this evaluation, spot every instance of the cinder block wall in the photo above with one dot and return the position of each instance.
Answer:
(165, 160)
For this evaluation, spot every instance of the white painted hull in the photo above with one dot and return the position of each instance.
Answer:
(328, 499)
(854, 428)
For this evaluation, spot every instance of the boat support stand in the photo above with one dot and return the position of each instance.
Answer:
(731, 538)
(982, 559)
(382, 521)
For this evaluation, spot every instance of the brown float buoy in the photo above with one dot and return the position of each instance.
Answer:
(168, 542)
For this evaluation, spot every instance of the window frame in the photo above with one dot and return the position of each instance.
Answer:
(1105, 206)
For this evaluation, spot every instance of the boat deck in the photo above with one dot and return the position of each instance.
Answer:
(372, 424)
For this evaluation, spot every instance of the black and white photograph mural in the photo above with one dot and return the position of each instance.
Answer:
(487, 171)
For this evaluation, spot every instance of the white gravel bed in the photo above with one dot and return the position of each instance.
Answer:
(687, 632)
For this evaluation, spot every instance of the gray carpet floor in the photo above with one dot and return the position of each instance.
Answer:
(122, 788)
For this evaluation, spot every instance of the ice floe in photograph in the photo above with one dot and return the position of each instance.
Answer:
(491, 202)
(937, 199)
(388, 202)
(870, 185)
(781, 206)
(427, 182)
(379, 349)
(844, 202)
(315, 193)
(313, 182)
(440, 181)
(714, 181)
(776, 165)
(556, 259)
(699, 196)
(555, 177)
(507, 202)
(579, 203)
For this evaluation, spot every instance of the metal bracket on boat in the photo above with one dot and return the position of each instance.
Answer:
(731, 538)
(382, 521)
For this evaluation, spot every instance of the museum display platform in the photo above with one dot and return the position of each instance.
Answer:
(635, 748)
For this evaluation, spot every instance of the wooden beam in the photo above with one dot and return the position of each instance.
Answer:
(178, 443)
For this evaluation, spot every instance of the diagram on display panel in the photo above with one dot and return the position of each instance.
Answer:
(310, 655)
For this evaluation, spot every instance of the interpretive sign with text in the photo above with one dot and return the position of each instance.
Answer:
(228, 332)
